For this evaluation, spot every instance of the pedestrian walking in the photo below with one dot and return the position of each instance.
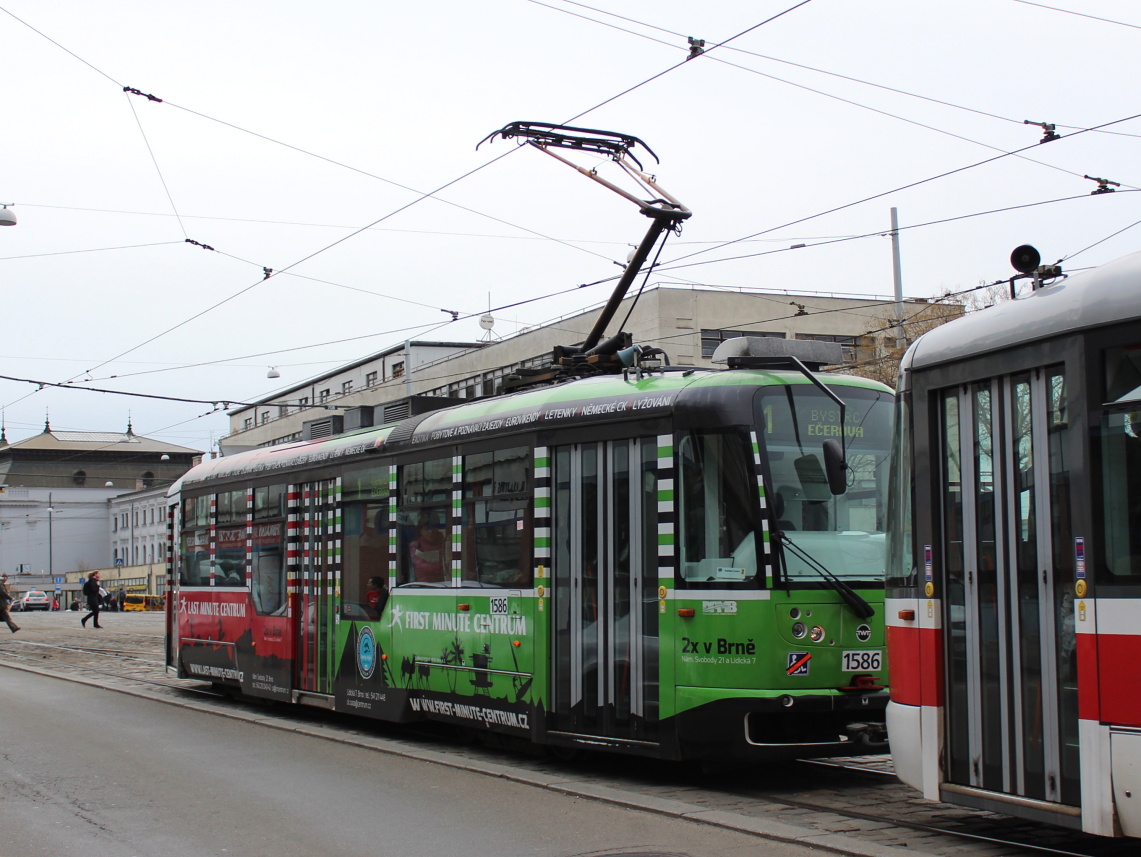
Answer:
(94, 593)
(5, 600)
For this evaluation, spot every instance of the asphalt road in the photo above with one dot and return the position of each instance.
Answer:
(89, 772)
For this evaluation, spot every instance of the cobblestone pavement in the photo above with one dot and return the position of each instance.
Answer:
(854, 807)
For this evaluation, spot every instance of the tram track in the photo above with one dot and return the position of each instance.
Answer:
(857, 797)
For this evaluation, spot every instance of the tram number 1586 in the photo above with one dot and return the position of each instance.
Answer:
(861, 661)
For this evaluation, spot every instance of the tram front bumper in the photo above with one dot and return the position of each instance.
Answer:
(781, 725)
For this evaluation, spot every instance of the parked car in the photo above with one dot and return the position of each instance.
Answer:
(33, 599)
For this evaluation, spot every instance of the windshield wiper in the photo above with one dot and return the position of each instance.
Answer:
(862, 608)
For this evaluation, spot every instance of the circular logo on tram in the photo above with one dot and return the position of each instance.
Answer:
(366, 653)
(929, 589)
(864, 633)
(1080, 589)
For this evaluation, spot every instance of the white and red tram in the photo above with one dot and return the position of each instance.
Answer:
(1014, 578)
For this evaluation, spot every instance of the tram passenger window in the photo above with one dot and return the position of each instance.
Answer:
(498, 519)
(268, 587)
(231, 506)
(269, 502)
(229, 564)
(195, 512)
(718, 499)
(365, 491)
(424, 549)
(1121, 496)
(365, 557)
(194, 563)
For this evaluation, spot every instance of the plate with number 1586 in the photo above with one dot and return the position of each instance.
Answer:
(861, 660)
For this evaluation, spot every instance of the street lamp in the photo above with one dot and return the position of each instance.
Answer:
(7, 215)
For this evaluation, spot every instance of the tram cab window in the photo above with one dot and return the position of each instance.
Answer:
(423, 519)
(497, 518)
(718, 503)
(845, 533)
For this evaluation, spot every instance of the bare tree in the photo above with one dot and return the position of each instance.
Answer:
(880, 352)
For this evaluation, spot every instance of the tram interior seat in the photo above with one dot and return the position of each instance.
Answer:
(779, 508)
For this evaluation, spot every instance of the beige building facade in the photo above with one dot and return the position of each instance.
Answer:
(687, 323)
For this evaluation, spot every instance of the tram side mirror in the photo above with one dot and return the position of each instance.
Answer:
(835, 466)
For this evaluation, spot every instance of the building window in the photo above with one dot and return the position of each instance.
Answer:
(303, 402)
(264, 417)
(79, 477)
(370, 379)
(324, 395)
(248, 423)
(398, 370)
(710, 339)
(148, 482)
(346, 388)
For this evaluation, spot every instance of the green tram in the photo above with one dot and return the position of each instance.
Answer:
(685, 563)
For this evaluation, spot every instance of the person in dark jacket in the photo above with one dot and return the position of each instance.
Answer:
(92, 590)
(5, 600)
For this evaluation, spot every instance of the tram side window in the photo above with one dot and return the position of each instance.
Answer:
(229, 564)
(268, 585)
(269, 502)
(1121, 496)
(498, 518)
(1120, 446)
(364, 585)
(365, 531)
(194, 562)
(901, 567)
(194, 567)
(425, 555)
(232, 507)
(718, 497)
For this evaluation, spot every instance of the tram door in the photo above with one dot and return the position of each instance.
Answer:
(1007, 452)
(317, 572)
(604, 532)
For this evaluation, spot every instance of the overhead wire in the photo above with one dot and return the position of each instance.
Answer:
(462, 177)
(1079, 14)
(894, 190)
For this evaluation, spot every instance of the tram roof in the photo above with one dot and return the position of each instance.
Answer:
(576, 403)
(1106, 295)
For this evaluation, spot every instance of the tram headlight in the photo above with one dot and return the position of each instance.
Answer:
(817, 634)
(799, 629)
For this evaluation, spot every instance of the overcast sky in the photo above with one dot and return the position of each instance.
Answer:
(305, 138)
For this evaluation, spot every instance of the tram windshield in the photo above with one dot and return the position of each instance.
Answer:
(844, 533)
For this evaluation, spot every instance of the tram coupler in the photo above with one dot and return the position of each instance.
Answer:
(869, 734)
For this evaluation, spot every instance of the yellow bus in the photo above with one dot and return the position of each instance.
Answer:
(138, 601)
